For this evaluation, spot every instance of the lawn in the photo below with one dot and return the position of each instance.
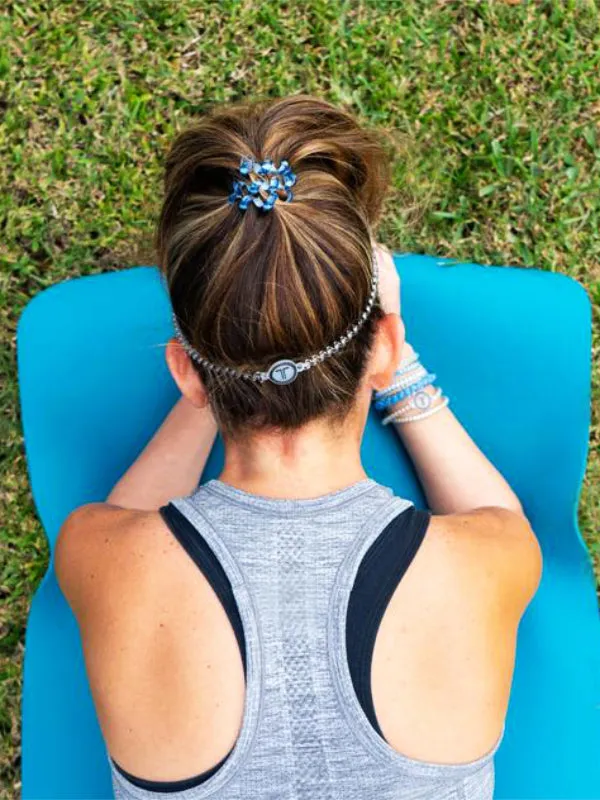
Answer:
(497, 110)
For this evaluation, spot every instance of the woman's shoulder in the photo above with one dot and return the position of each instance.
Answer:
(103, 550)
(488, 552)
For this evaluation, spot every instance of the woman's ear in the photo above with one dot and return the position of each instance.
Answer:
(184, 374)
(387, 351)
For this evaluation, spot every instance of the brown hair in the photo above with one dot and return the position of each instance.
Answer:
(251, 287)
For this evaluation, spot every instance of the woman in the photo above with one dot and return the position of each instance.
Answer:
(293, 629)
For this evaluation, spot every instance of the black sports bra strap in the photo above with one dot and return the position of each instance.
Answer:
(202, 554)
(381, 570)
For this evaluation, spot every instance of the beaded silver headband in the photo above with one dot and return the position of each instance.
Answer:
(285, 370)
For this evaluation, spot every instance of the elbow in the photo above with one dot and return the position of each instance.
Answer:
(511, 503)
(516, 506)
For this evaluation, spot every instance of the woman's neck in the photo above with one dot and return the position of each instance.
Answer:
(307, 463)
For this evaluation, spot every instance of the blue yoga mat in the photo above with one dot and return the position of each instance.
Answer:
(512, 349)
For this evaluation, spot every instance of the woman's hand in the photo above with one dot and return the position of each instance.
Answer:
(389, 280)
(389, 287)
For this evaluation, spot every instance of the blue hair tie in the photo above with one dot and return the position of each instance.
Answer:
(266, 183)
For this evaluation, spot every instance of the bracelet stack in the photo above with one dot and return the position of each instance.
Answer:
(410, 380)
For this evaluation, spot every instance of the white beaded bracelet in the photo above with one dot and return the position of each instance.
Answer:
(407, 365)
(394, 416)
(419, 372)
(415, 402)
(408, 362)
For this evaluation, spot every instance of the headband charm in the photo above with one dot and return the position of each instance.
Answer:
(266, 183)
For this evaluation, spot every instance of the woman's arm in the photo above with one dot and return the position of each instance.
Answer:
(171, 463)
(455, 474)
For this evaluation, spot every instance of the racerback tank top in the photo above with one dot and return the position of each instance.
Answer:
(305, 583)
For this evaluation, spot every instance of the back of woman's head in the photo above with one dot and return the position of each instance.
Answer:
(249, 287)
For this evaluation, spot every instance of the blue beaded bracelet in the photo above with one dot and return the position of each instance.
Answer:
(393, 398)
(406, 365)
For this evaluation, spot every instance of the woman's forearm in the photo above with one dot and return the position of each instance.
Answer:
(172, 462)
(455, 474)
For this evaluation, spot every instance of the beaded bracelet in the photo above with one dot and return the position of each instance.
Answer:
(420, 401)
(419, 372)
(408, 362)
(409, 365)
(394, 398)
(425, 414)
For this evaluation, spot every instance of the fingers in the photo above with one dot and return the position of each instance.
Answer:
(384, 248)
(385, 259)
(384, 254)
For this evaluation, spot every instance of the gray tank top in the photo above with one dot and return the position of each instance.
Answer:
(304, 734)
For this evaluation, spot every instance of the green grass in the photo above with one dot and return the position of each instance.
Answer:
(497, 103)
